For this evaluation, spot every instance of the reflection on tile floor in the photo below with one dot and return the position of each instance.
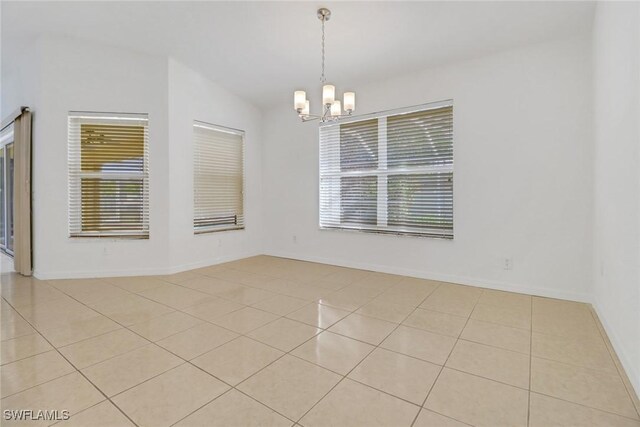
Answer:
(268, 341)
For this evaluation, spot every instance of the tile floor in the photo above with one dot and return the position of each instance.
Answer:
(268, 341)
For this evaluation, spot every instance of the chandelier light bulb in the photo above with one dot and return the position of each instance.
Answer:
(349, 102)
(299, 99)
(328, 94)
(336, 109)
(305, 110)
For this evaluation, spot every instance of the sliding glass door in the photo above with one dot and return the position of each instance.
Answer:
(2, 204)
(6, 191)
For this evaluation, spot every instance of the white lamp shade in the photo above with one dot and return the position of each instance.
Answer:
(349, 101)
(305, 110)
(336, 109)
(328, 94)
(299, 99)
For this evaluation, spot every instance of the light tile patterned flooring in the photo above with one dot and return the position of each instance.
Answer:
(268, 341)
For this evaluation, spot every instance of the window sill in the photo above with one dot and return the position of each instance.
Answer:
(389, 232)
(110, 236)
(216, 230)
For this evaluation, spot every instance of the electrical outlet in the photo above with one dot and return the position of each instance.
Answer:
(507, 263)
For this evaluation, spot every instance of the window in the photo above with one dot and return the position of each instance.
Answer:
(389, 172)
(108, 175)
(218, 178)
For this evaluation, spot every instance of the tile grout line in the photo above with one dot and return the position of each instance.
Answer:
(585, 406)
(304, 342)
(589, 309)
(123, 327)
(72, 365)
(375, 347)
(86, 409)
(255, 373)
(382, 348)
(169, 351)
(400, 324)
(151, 342)
(292, 355)
(616, 362)
(25, 357)
(424, 402)
(312, 302)
(323, 330)
(220, 396)
(175, 310)
(269, 364)
(325, 368)
(185, 361)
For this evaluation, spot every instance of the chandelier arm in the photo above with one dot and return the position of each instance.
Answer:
(310, 118)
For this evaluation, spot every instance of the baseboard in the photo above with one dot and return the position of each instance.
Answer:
(462, 280)
(627, 365)
(52, 275)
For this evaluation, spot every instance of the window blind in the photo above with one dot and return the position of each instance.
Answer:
(389, 172)
(218, 178)
(108, 175)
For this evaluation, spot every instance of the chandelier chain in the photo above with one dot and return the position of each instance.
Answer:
(322, 78)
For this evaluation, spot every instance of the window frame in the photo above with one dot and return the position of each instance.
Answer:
(221, 227)
(6, 190)
(75, 174)
(382, 170)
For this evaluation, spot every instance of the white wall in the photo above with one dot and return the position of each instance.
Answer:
(192, 96)
(523, 168)
(20, 82)
(79, 76)
(616, 38)
(73, 75)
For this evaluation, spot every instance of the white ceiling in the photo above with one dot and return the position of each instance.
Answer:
(260, 50)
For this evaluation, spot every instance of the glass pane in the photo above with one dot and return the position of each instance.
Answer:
(359, 145)
(112, 148)
(359, 200)
(421, 201)
(218, 179)
(2, 194)
(9, 192)
(112, 204)
(424, 138)
(218, 197)
(114, 200)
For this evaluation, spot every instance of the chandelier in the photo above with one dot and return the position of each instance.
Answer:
(331, 108)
